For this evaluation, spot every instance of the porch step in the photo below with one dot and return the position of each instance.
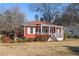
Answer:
(54, 37)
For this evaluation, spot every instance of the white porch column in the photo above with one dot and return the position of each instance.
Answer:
(38, 30)
(49, 29)
(34, 30)
(41, 29)
(62, 32)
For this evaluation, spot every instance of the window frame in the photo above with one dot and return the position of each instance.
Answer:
(31, 30)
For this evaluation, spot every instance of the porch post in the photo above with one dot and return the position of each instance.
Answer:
(38, 31)
(41, 29)
(54, 30)
(49, 29)
(62, 32)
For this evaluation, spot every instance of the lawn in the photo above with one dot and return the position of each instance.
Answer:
(66, 48)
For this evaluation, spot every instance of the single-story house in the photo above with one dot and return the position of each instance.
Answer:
(35, 29)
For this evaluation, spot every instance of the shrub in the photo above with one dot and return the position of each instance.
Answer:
(21, 40)
(12, 41)
(76, 37)
(37, 39)
(66, 34)
(0, 40)
(41, 39)
(5, 39)
(26, 39)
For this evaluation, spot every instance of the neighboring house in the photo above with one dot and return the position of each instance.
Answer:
(35, 29)
(73, 30)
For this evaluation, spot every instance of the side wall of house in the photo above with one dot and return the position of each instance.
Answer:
(27, 33)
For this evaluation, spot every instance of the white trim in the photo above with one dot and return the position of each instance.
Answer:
(49, 29)
(34, 30)
(51, 25)
(41, 29)
(58, 31)
(59, 39)
(28, 30)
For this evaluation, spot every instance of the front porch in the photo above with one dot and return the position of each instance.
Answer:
(49, 30)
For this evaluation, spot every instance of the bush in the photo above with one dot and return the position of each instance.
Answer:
(41, 39)
(25, 39)
(37, 39)
(21, 40)
(0, 40)
(12, 41)
(66, 34)
(30, 39)
(76, 37)
(5, 39)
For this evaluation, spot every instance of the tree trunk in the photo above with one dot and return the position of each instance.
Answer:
(15, 37)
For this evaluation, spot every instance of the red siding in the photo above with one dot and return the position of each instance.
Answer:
(33, 35)
(43, 35)
(25, 30)
(30, 36)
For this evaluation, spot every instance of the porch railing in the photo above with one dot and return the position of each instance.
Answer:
(57, 35)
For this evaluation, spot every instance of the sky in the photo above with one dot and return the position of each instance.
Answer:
(24, 8)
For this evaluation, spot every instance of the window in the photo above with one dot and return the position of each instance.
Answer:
(52, 30)
(39, 30)
(59, 30)
(45, 30)
(31, 29)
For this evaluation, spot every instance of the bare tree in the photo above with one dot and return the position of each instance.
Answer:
(70, 15)
(11, 20)
(72, 10)
(48, 11)
(18, 20)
